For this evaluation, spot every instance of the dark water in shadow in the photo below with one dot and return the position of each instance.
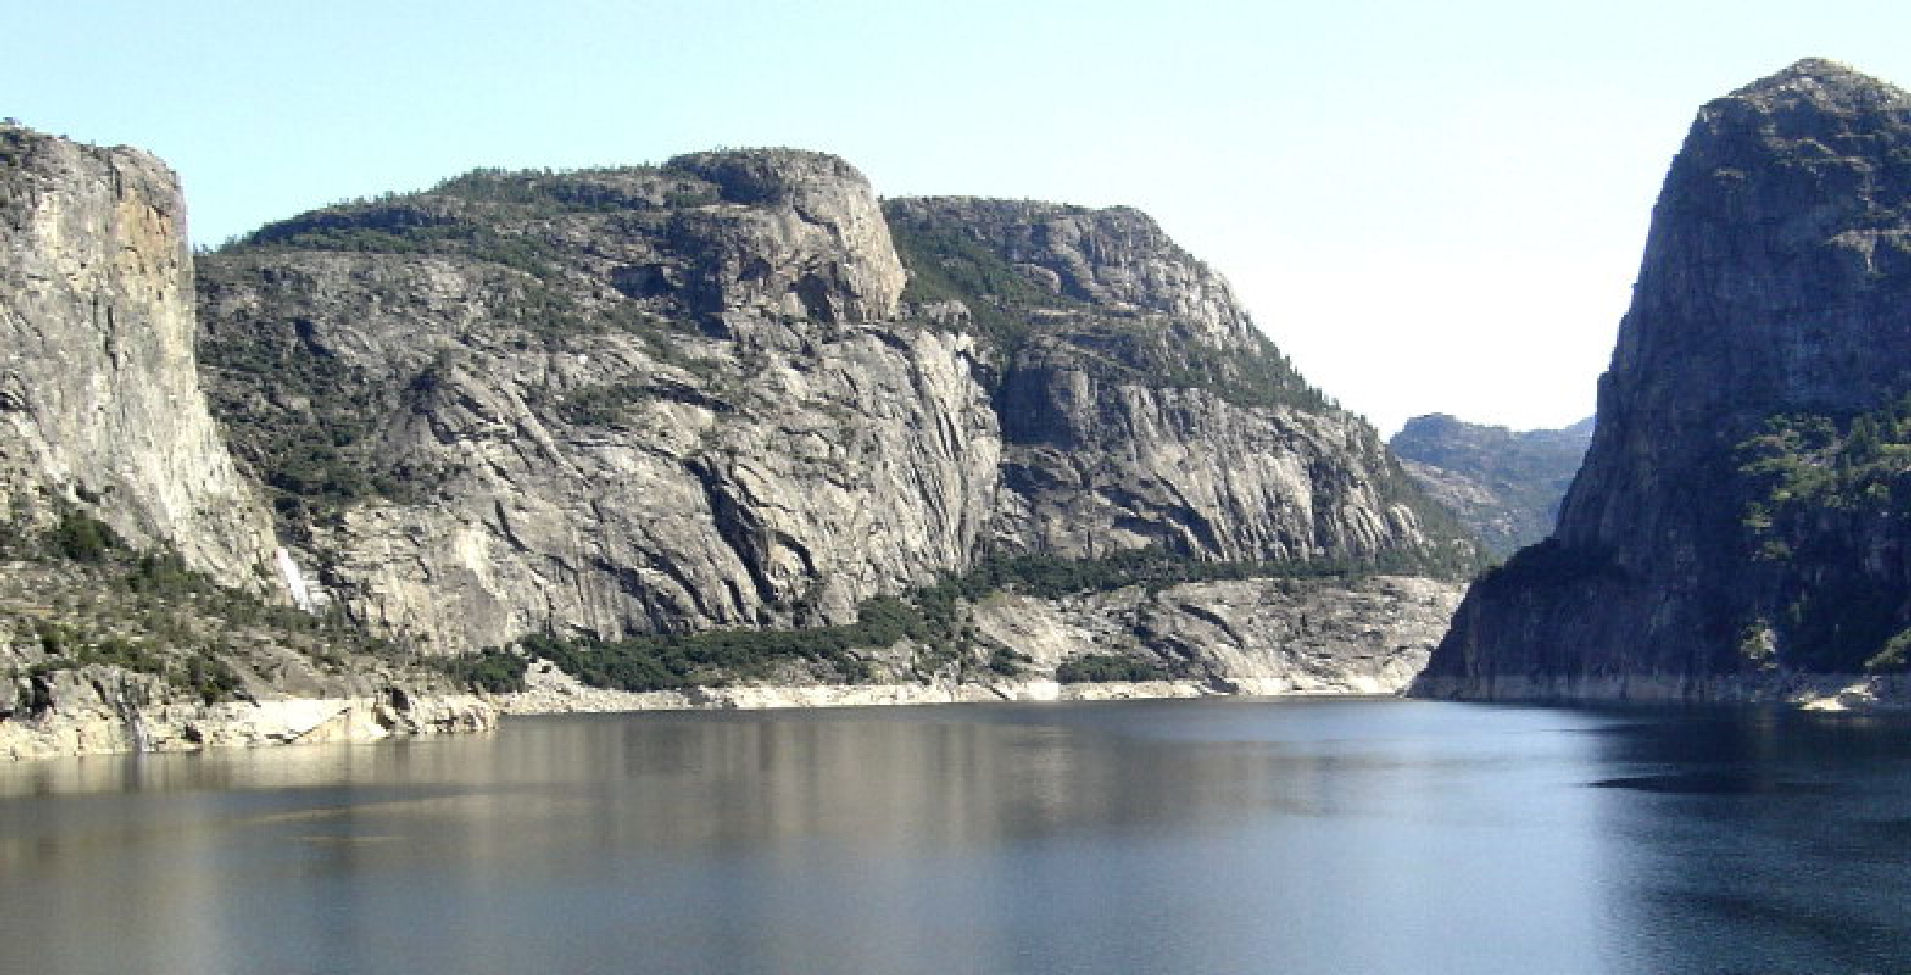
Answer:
(1160, 837)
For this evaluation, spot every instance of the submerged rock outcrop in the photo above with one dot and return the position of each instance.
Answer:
(1739, 518)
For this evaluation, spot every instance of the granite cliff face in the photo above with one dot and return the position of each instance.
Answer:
(1505, 485)
(1739, 516)
(1138, 403)
(665, 415)
(140, 604)
(707, 395)
(99, 397)
(731, 396)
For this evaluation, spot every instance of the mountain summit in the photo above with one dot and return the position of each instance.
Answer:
(1828, 86)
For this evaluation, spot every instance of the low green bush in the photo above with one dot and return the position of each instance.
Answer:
(1107, 668)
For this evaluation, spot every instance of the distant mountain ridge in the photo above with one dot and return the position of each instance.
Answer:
(1505, 485)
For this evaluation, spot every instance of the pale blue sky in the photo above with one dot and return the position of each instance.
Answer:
(1430, 207)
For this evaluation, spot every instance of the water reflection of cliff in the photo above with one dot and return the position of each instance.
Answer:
(1182, 837)
(1765, 840)
(741, 830)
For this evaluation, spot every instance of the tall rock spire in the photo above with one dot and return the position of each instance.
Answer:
(1776, 283)
(100, 402)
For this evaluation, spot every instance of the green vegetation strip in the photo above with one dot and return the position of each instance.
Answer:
(934, 618)
(147, 612)
(1826, 497)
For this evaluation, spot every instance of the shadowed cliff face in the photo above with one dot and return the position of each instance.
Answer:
(100, 407)
(1776, 285)
(707, 394)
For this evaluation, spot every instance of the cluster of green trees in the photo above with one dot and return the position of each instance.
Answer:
(82, 537)
(600, 406)
(933, 618)
(1263, 378)
(491, 670)
(550, 193)
(402, 227)
(323, 453)
(713, 658)
(197, 670)
(486, 214)
(1108, 668)
(1824, 495)
(74, 536)
(950, 262)
(148, 612)
(1805, 462)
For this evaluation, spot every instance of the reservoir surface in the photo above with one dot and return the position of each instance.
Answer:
(1218, 836)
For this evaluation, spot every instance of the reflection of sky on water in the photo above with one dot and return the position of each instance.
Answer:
(1185, 837)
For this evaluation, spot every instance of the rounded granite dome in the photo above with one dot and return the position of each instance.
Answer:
(754, 176)
(1827, 85)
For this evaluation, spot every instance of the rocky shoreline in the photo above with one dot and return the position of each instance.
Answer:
(552, 691)
(1274, 637)
(1814, 692)
(104, 728)
(101, 727)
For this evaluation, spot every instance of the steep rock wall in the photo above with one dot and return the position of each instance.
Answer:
(736, 433)
(1140, 405)
(801, 234)
(1117, 261)
(108, 642)
(1095, 466)
(99, 394)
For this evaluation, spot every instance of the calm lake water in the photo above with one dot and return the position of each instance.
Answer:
(1228, 836)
